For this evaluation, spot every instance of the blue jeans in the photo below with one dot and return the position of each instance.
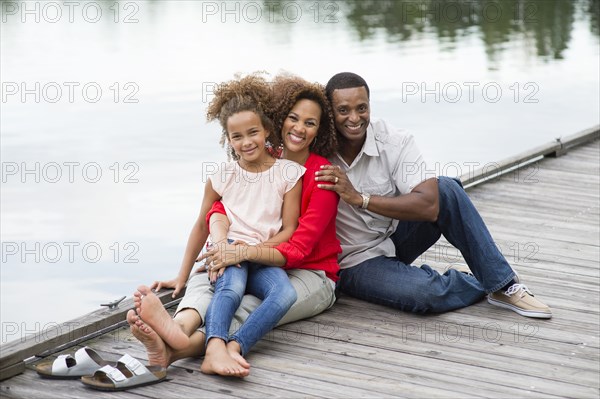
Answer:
(392, 281)
(271, 284)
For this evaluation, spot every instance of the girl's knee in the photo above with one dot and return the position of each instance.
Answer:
(288, 295)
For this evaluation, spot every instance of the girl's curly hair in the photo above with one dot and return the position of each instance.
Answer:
(287, 91)
(250, 93)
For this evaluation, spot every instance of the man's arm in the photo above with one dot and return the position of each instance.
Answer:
(421, 204)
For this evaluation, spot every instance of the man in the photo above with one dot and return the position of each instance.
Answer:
(391, 213)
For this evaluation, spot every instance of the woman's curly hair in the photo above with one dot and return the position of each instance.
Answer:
(250, 93)
(287, 91)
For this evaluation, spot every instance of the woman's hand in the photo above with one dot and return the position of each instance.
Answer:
(175, 283)
(220, 256)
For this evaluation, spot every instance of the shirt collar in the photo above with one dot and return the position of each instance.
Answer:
(370, 146)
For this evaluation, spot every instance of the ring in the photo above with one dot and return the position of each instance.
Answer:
(336, 180)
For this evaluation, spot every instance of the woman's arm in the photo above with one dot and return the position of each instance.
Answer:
(320, 212)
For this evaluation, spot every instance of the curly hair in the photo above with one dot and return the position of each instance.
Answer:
(250, 93)
(287, 91)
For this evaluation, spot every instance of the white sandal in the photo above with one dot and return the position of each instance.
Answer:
(85, 362)
(128, 373)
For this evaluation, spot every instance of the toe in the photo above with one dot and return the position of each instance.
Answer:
(144, 290)
(131, 317)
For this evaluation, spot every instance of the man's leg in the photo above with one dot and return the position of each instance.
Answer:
(460, 222)
(390, 282)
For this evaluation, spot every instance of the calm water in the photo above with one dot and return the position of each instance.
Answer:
(102, 114)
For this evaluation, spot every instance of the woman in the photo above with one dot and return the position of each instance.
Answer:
(302, 115)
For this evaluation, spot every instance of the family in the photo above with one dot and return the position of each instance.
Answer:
(316, 200)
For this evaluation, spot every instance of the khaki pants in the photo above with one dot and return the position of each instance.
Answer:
(315, 294)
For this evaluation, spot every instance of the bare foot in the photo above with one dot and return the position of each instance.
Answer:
(218, 361)
(158, 352)
(153, 313)
(234, 349)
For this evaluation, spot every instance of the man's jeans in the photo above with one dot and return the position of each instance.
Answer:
(392, 281)
(271, 284)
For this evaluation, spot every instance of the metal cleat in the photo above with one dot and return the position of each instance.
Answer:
(113, 304)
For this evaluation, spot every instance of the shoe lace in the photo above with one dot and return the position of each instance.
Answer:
(518, 289)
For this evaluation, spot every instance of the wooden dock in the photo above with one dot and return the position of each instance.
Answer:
(544, 216)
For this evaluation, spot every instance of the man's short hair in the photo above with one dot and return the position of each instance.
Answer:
(345, 80)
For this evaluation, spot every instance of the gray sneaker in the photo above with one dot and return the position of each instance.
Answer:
(519, 299)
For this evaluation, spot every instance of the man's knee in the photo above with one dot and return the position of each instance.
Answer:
(452, 193)
(446, 183)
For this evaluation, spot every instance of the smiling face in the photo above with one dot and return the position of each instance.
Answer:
(247, 136)
(352, 113)
(300, 127)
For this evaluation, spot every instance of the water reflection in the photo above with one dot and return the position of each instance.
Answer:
(543, 25)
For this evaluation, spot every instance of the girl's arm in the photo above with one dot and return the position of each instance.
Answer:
(225, 255)
(290, 212)
(196, 241)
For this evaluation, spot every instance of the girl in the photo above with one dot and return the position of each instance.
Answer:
(261, 195)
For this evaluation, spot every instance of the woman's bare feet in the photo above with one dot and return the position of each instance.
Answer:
(152, 312)
(218, 361)
(158, 352)
(234, 350)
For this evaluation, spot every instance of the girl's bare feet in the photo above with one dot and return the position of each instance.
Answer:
(234, 350)
(158, 352)
(218, 361)
(152, 312)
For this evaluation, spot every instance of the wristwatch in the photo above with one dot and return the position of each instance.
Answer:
(365, 198)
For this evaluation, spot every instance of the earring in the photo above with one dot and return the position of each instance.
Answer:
(314, 142)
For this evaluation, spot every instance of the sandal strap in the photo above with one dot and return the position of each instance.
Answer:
(112, 373)
(133, 365)
(60, 365)
(81, 363)
(88, 358)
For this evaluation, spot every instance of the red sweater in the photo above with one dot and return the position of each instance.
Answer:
(314, 244)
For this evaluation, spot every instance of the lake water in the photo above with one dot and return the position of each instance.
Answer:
(103, 136)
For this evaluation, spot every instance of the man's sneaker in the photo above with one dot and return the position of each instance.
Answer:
(519, 299)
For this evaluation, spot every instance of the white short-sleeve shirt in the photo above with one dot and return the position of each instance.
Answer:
(390, 164)
(253, 201)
